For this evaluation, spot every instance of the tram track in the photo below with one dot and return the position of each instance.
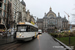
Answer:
(12, 46)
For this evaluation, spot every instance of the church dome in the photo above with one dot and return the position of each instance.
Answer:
(23, 3)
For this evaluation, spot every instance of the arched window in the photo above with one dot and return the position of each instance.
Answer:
(51, 15)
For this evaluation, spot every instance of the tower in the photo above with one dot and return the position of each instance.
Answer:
(50, 9)
(23, 3)
(58, 14)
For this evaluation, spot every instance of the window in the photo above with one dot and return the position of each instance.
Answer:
(1, 5)
(4, 1)
(26, 28)
(0, 11)
(51, 15)
(1, 0)
(3, 14)
(22, 28)
(0, 20)
(4, 7)
(10, 0)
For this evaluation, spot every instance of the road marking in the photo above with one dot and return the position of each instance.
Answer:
(39, 43)
(40, 34)
(38, 37)
(58, 47)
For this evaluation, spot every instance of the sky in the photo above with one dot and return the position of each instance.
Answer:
(39, 7)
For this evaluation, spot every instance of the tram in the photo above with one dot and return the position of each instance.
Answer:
(26, 31)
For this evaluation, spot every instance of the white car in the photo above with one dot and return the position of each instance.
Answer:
(11, 31)
(39, 31)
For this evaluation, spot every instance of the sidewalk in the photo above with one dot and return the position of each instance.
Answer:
(4, 40)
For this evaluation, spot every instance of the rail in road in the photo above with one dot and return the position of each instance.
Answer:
(11, 46)
(42, 42)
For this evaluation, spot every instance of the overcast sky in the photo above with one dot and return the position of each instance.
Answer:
(39, 7)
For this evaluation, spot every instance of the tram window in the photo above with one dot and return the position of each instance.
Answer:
(33, 29)
(21, 28)
(28, 28)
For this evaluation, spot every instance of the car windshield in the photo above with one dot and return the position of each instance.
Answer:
(39, 30)
(2, 27)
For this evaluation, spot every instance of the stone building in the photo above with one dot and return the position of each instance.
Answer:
(14, 11)
(40, 23)
(19, 10)
(19, 13)
(50, 22)
(10, 20)
(32, 19)
(3, 11)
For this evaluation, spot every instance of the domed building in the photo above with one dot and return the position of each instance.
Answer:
(23, 3)
(50, 22)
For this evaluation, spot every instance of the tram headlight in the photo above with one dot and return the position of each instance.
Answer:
(20, 34)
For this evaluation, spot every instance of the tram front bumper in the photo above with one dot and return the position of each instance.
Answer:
(25, 39)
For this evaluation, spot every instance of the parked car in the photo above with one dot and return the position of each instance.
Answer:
(11, 31)
(3, 30)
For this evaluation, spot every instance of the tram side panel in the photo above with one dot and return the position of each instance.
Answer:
(26, 34)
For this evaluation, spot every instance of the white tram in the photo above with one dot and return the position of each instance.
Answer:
(26, 31)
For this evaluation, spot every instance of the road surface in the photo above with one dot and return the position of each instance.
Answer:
(43, 42)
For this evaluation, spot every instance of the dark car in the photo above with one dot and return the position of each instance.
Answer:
(2, 30)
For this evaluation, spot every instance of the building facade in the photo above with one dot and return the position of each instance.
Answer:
(14, 11)
(3, 11)
(19, 11)
(10, 20)
(51, 22)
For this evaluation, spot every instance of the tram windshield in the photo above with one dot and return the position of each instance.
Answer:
(26, 28)
(22, 28)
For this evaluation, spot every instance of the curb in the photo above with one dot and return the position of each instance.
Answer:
(65, 46)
